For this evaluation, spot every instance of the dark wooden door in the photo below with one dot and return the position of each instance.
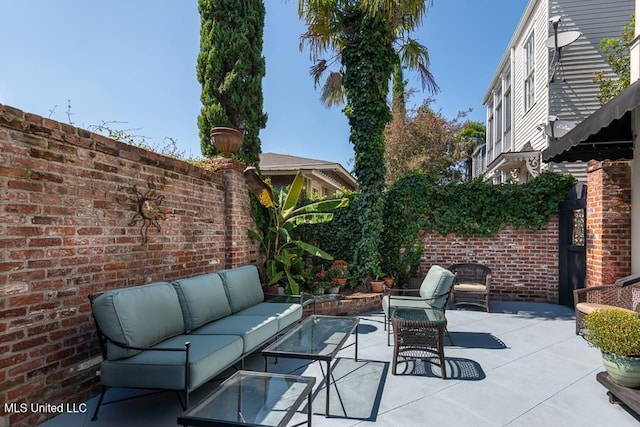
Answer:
(573, 244)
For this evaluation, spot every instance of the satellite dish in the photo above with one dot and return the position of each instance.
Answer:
(560, 40)
(558, 128)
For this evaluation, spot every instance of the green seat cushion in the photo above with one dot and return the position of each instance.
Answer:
(243, 287)
(286, 313)
(254, 330)
(390, 303)
(436, 286)
(208, 356)
(140, 316)
(203, 299)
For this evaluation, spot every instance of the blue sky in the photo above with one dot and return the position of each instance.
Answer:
(134, 62)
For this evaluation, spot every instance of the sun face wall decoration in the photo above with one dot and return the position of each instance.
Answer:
(148, 212)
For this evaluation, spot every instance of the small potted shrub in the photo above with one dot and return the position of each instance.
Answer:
(616, 333)
(339, 272)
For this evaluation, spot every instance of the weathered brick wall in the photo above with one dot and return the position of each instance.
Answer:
(524, 263)
(608, 221)
(66, 204)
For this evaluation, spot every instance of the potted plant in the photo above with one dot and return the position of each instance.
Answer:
(616, 333)
(339, 272)
(388, 280)
(376, 284)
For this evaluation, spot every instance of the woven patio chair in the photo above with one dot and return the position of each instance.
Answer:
(624, 294)
(472, 284)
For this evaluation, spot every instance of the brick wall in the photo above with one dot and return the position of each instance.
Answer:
(524, 262)
(608, 221)
(66, 203)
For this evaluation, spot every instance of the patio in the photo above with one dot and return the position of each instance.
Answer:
(519, 365)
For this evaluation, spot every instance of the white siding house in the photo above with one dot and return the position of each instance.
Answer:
(536, 85)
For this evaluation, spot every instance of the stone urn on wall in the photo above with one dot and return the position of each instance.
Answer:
(226, 140)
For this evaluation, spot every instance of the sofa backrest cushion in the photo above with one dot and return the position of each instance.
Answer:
(436, 286)
(141, 316)
(203, 299)
(243, 288)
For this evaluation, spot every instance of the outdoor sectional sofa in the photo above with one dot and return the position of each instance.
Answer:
(179, 335)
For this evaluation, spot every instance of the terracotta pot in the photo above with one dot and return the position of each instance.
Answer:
(226, 140)
(339, 282)
(388, 282)
(377, 286)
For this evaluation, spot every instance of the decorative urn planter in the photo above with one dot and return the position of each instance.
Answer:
(226, 140)
(622, 370)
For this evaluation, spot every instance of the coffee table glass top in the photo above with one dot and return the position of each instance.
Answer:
(416, 314)
(317, 337)
(252, 398)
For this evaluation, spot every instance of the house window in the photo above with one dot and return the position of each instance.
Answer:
(498, 125)
(507, 102)
(529, 72)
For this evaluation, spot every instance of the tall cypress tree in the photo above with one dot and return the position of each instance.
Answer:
(230, 69)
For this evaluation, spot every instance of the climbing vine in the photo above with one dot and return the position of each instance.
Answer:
(418, 202)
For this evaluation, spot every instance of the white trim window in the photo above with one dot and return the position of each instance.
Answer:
(507, 102)
(529, 72)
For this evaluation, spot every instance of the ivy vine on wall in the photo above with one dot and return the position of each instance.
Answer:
(418, 202)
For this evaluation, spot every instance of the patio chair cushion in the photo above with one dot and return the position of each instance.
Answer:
(254, 330)
(242, 285)
(389, 302)
(123, 318)
(208, 356)
(589, 307)
(286, 313)
(436, 286)
(203, 299)
(470, 287)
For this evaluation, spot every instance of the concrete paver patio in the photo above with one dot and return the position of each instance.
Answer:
(520, 365)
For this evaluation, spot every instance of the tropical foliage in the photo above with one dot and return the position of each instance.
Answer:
(230, 68)
(283, 253)
(366, 39)
(617, 56)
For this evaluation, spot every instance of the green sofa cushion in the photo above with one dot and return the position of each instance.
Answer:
(254, 330)
(203, 299)
(286, 313)
(208, 356)
(243, 288)
(140, 316)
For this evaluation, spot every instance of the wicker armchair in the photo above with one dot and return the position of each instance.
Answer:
(472, 284)
(624, 294)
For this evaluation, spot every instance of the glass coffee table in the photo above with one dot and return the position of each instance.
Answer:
(317, 338)
(252, 398)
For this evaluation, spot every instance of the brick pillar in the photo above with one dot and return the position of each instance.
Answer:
(239, 248)
(608, 221)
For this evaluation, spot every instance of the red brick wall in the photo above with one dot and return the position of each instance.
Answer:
(65, 208)
(524, 263)
(608, 221)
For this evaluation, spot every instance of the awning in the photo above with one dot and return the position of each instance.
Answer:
(607, 134)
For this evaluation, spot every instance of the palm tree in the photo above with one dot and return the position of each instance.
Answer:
(365, 39)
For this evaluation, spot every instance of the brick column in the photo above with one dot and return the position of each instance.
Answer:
(239, 248)
(608, 221)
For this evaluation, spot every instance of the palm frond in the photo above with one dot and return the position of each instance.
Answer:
(317, 70)
(333, 90)
(415, 56)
